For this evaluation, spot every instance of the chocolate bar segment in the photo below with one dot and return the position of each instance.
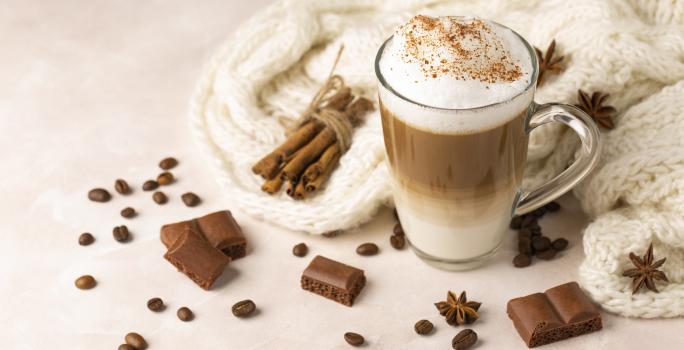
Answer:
(219, 229)
(223, 232)
(333, 280)
(559, 313)
(196, 258)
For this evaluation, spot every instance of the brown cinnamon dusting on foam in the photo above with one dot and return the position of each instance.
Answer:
(472, 49)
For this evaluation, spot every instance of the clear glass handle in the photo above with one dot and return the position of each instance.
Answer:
(588, 133)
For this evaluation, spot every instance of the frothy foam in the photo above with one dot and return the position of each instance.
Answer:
(455, 63)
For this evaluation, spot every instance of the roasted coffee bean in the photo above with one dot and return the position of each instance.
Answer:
(85, 282)
(243, 308)
(552, 207)
(125, 347)
(150, 185)
(541, 243)
(539, 212)
(398, 230)
(160, 198)
(300, 250)
(353, 339)
(535, 229)
(155, 304)
(165, 178)
(522, 260)
(464, 339)
(525, 233)
(128, 212)
(367, 249)
(331, 234)
(547, 254)
(99, 195)
(525, 246)
(121, 233)
(559, 244)
(190, 199)
(86, 239)
(185, 314)
(121, 186)
(528, 220)
(397, 241)
(168, 163)
(516, 222)
(136, 340)
(423, 327)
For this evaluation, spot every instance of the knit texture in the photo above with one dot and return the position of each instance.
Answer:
(259, 82)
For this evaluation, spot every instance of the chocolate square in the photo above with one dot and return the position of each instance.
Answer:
(220, 229)
(559, 313)
(196, 258)
(333, 280)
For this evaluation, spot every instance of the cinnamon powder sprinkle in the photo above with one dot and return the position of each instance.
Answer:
(465, 49)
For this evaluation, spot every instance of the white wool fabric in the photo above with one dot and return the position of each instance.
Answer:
(264, 76)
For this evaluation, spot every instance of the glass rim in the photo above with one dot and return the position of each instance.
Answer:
(533, 81)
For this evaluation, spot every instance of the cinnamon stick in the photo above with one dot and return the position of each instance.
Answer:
(316, 168)
(269, 165)
(273, 185)
(299, 192)
(340, 99)
(308, 154)
(316, 183)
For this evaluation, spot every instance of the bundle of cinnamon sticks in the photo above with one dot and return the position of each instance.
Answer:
(307, 158)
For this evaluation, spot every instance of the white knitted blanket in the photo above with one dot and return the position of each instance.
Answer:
(267, 72)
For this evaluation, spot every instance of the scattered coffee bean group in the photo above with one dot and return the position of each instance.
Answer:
(300, 250)
(354, 339)
(531, 241)
(243, 308)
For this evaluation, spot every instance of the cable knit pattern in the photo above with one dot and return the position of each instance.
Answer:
(264, 76)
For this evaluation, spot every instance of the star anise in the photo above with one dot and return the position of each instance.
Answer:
(458, 311)
(593, 106)
(646, 271)
(547, 62)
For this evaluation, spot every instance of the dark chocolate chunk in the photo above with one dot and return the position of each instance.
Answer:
(220, 229)
(353, 339)
(99, 195)
(196, 258)
(333, 280)
(559, 313)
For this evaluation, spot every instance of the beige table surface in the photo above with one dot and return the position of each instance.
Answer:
(93, 90)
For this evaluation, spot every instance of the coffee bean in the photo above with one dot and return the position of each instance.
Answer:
(99, 195)
(190, 199)
(528, 220)
(559, 244)
(150, 185)
(86, 239)
(185, 314)
(423, 327)
(525, 233)
(535, 229)
(121, 186)
(522, 260)
(121, 233)
(168, 163)
(367, 249)
(353, 339)
(243, 308)
(331, 234)
(128, 212)
(552, 207)
(125, 347)
(85, 282)
(300, 250)
(398, 230)
(541, 243)
(397, 241)
(547, 254)
(464, 339)
(539, 212)
(525, 246)
(160, 198)
(136, 340)
(155, 304)
(516, 222)
(165, 178)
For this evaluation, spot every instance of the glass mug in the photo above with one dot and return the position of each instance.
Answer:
(456, 193)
